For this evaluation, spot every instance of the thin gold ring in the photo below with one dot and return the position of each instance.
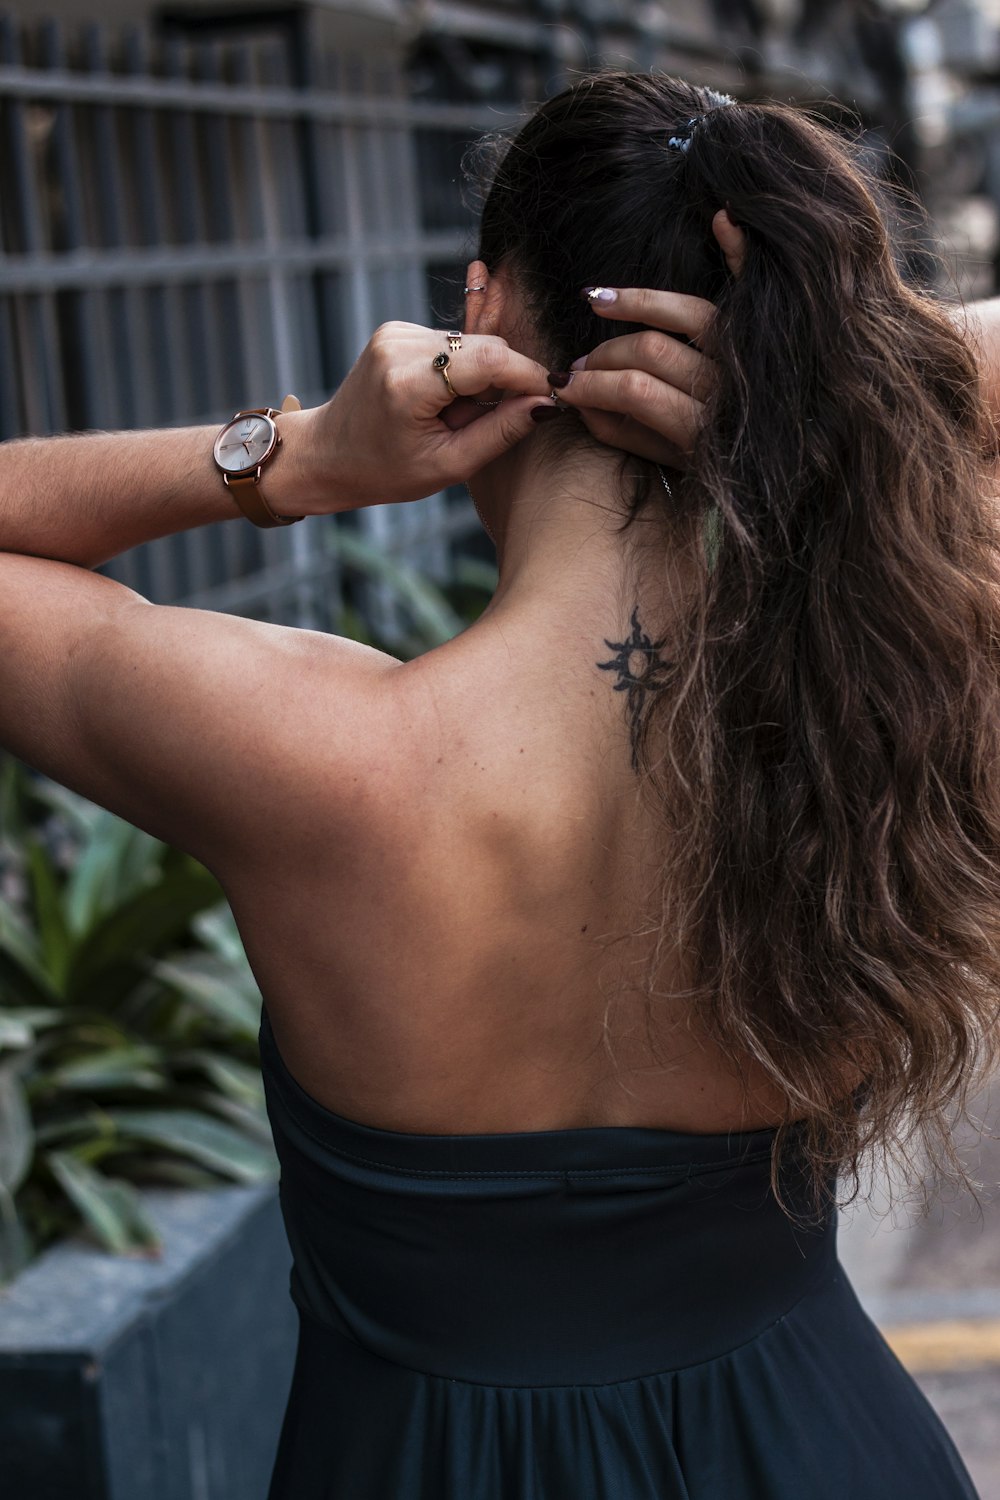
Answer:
(440, 362)
(454, 340)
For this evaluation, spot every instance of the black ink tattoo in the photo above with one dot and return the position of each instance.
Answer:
(642, 671)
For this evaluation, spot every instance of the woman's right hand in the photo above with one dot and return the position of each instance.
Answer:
(646, 392)
(396, 430)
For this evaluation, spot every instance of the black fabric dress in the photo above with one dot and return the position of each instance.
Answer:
(598, 1314)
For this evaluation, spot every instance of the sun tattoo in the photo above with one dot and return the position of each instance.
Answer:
(641, 671)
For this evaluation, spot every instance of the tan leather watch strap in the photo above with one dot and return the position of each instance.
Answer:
(246, 490)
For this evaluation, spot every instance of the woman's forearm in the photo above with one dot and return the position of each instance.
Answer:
(388, 434)
(87, 497)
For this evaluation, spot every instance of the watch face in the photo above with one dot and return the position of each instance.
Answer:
(244, 443)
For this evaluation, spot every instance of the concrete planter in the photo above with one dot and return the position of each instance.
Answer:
(127, 1379)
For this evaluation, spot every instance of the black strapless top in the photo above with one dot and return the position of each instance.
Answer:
(617, 1313)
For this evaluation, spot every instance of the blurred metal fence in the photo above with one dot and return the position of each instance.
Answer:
(192, 221)
(208, 210)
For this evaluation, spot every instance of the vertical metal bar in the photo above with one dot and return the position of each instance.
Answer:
(87, 359)
(284, 213)
(162, 303)
(320, 306)
(158, 158)
(11, 409)
(312, 71)
(81, 366)
(243, 545)
(361, 321)
(206, 386)
(282, 218)
(254, 311)
(201, 385)
(220, 229)
(421, 527)
(11, 406)
(99, 144)
(35, 326)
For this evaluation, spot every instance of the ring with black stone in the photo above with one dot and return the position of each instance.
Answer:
(440, 362)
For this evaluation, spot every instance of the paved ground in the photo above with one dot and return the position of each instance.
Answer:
(932, 1283)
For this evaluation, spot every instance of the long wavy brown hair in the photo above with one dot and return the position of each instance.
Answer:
(826, 754)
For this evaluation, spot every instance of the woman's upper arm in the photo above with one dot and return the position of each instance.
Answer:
(212, 732)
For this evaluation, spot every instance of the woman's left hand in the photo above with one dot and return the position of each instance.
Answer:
(646, 392)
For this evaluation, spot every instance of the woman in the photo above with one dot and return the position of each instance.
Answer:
(595, 940)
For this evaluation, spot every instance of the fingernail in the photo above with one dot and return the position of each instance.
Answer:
(579, 364)
(545, 413)
(599, 294)
(560, 379)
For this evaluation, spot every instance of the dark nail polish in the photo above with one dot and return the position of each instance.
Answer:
(545, 413)
(560, 379)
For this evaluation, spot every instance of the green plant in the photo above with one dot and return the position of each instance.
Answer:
(128, 1023)
(429, 613)
(128, 1011)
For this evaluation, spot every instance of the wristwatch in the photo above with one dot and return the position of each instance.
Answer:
(242, 449)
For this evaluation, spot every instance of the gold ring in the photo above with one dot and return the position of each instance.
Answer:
(440, 362)
(454, 341)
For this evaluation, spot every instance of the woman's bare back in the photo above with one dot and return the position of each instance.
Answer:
(442, 961)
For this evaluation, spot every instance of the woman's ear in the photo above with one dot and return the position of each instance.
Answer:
(483, 299)
(732, 241)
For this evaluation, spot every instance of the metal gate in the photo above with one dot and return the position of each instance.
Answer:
(207, 217)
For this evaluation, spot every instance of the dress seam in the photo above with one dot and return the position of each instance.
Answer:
(680, 1171)
(684, 1172)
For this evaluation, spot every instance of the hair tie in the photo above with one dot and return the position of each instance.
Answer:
(682, 140)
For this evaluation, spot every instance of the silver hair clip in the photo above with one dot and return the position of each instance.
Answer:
(682, 141)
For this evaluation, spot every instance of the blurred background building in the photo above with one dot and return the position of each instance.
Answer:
(206, 205)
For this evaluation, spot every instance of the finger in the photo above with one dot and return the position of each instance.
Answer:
(479, 443)
(674, 312)
(660, 355)
(674, 414)
(461, 412)
(630, 435)
(484, 360)
(732, 241)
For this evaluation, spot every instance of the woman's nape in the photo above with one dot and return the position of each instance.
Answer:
(556, 504)
(558, 500)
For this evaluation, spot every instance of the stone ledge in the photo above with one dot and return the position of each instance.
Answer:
(135, 1379)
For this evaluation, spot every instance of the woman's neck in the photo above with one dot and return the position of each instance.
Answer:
(555, 517)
